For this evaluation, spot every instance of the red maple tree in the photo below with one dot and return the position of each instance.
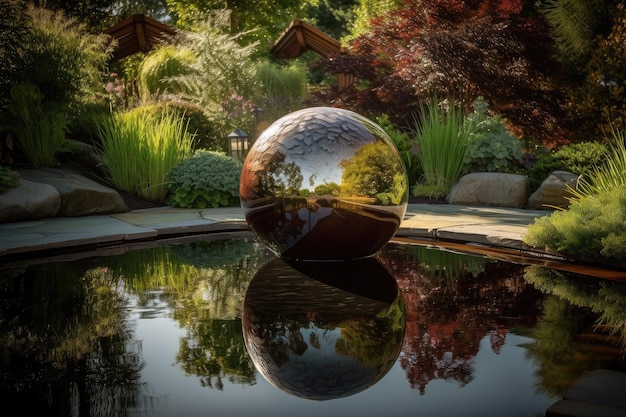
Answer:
(498, 49)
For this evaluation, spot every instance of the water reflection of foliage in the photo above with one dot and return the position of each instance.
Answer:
(606, 298)
(62, 334)
(216, 253)
(214, 349)
(441, 263)
(452, 302)
(204, 285)
(370, 340)
(596, 337)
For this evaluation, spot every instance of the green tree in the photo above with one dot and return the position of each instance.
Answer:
(281, 179)
(261, 21)
(333, 17)
(95, 14)
(575, 25)
(13, 28)
(156, 9)
(365, 11)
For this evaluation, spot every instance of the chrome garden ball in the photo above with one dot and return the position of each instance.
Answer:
(324, 184)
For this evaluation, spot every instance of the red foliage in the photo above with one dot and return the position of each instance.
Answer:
(472, 47)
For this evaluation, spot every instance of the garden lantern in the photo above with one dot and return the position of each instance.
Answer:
(238, 144)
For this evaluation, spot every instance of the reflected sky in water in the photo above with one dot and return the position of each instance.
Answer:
(503, 386)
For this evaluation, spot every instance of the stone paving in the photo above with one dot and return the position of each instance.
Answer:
(499, 227)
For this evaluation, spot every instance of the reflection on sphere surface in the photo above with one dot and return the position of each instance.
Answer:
(324, 184)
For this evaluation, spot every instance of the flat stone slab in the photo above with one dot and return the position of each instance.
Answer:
(598, 393)
(66, 232)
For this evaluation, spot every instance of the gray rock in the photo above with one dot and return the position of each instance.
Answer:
(553, 191)
(80, 196)
(490, 189)
(29, 201)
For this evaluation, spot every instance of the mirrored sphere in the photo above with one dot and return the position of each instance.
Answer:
(323, 330)
(324, 184)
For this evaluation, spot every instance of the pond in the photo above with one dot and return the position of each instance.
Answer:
(219, 326)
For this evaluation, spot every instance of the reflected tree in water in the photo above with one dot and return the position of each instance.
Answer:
(582, 326)
(452, 302)
(64, 341)
(203, 285)
(375, 171)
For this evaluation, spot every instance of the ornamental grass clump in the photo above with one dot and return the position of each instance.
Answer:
(207, 179)
(38, 127)
(442, 139)
(607, 175)
(137, 151)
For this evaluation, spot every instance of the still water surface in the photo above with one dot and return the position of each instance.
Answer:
(221, 327)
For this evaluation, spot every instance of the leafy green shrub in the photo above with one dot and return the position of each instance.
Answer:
(137, 151)
(222, 68)
(592, 228)
(62, 58)
(207, 179)
(491, 147)
(8, 179)
(578, 158)
(14, 29)
(595, 223)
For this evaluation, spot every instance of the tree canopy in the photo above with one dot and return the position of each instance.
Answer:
(495, 48)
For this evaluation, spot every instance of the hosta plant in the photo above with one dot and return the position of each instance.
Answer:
(491, 147)
(207, 179)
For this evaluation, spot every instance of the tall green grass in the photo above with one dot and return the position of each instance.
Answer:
(610, 174)
(39, 128)
(137, 151)
(282, 81)
(158, 70)
(442, 138)
(280, 89)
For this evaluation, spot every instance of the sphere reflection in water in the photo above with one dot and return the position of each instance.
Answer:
(316, 340)
(324, 184)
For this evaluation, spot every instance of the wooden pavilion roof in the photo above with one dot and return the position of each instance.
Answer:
(300, 37)
(137, 33)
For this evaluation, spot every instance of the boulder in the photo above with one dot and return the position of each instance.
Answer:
(490, 189)
(553, 191)
(29, 201)
(80, 196)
